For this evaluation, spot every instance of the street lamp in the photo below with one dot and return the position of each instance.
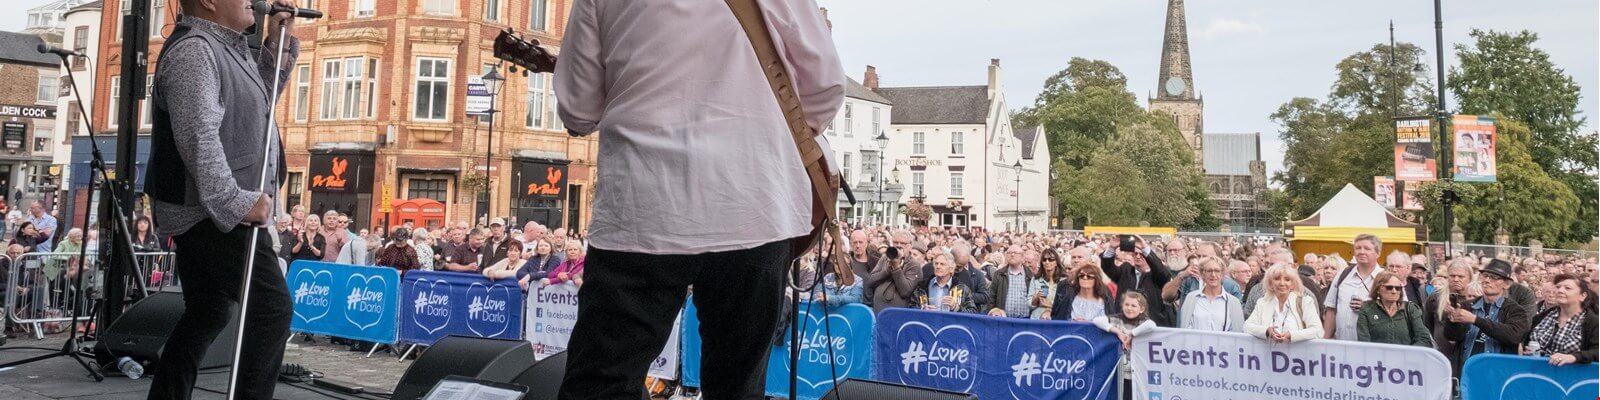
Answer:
(1018, 189)
(491, 82)
(883, 143)
(895, 174)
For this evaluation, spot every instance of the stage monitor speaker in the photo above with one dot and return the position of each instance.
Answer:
(543, 379)
(495, 360)
(141, 332)
(857, 389)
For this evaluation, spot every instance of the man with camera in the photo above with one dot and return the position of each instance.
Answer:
(1488, 324)
(1134, 267)
(894, 279)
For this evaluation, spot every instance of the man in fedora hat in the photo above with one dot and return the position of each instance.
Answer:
(1488, 324)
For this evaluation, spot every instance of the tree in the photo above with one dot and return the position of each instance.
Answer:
(1526, 201)
(1503, 72)
(1081, 108)
(1146, 174)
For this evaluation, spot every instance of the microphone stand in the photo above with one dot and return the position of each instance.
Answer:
(255, 232)
(125, 246)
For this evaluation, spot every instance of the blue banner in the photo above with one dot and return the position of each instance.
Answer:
(1501, 376)
(691, 344)
(849, 336)
(348, 301)
(996, 358)
(438, 304)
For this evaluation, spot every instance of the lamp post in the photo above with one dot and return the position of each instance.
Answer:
(1018, 189)
(1448, 198)
(491, 82)
(895, 174)
(883, 143)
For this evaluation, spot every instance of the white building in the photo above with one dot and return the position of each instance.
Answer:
(954, 147)
(862, 119)
(81, 27)
(46, 20)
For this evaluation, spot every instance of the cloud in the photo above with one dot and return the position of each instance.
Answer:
(1221, 26)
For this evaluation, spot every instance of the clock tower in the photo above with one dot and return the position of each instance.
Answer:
(1175, 93)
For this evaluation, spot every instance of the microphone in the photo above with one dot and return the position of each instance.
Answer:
(48, 49)
(261, 7)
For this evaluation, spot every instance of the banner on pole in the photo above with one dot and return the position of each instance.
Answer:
(1503, 376)
(1383, 190)
(1171, 364)
(1413, 149)
(1411, 196)
(348, 301)
(1475, 139)
(996, 358)
(552, 312)
(838, 342)
(439, 304)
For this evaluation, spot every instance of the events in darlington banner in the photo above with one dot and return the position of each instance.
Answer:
(1171, 364)
(348, 301)
(1501, 376)
(553, 312)
(996, 358)
(437, 304)
(839, 341)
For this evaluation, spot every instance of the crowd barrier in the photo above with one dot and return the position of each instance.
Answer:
(1176, 363)
(348, 301)
(847, 331)
(42, 291)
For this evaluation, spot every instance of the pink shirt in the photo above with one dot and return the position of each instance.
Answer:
(694, 154)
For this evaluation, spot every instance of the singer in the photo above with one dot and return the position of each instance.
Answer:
(701, 182)
(211, 109)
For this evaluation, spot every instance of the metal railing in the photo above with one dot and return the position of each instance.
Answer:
(41, 292)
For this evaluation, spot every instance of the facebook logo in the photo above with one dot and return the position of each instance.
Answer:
(1155, 395)
(538, 313)
(1155, 378)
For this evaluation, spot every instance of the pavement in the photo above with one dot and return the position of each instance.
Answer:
(63, 378)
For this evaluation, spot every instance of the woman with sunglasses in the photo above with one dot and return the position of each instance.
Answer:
(1388, 318)
(1082, 296)
(1042, 290)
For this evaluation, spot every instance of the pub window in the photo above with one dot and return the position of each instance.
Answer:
(436, 189)
(295, 185)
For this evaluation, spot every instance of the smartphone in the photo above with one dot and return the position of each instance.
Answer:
(1127, 243)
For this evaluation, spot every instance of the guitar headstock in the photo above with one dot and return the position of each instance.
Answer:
(525, 53)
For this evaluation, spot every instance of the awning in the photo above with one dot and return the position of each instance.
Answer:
(1347, 234)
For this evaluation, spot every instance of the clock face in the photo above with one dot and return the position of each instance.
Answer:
(1175, 86)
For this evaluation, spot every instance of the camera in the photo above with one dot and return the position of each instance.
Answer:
(1127, 243)
(892, 252)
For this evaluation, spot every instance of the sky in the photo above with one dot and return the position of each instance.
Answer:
(1249, 56)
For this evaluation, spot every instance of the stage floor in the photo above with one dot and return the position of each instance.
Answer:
(62, 378)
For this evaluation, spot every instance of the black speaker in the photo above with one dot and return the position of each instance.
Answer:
(857, 389)
(141, 332)
(496, 360)
(543, 379)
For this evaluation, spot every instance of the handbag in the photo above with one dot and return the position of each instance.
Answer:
(824, 184)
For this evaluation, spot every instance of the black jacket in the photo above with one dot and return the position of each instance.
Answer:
(1508, 328)
(1061, 308)
(1588, 344)
(973, 278)
(1128, 278)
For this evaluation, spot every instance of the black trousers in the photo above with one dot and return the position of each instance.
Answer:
(212, 263)
(626, 308)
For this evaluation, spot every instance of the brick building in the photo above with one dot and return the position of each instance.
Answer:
(376, 104)
(28, 92)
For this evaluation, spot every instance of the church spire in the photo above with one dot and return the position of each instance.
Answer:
(1176, 80)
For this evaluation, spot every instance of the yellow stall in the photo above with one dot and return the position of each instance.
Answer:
(1334, 227)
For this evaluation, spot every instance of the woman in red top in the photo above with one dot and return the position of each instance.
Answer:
(569, 270)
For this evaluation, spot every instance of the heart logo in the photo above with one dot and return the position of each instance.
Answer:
(431, 307)
(488, 309)
(814, 346)
(1535, 386)
(311, 294)
(945, 358)
(365, 304)
(1052, 368)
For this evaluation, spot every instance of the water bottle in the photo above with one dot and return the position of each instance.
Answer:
(130, 367)
(1533, 348)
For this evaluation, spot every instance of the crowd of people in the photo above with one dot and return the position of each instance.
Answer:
(1461, 306)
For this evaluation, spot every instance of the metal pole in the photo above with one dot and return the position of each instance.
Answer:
(1448, 199)
(1018, 227)
(488, 163)
(1394, 103)
(883, 212)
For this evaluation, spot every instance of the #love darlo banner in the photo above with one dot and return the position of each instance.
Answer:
(666, 364)
(1173, 364)
(847, 331)
(1503, 376)
(996, 358)
(348, 301)
(436, 304)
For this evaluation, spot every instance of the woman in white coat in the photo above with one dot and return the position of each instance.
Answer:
(1287, 314)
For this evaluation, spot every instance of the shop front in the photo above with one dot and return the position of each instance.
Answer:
(342, 181)
(541, 191)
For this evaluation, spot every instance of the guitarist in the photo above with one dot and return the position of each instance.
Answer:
(701, 182)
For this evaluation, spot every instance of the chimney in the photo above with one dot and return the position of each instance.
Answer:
(994, 77)
(825, 18)
(871, 79)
